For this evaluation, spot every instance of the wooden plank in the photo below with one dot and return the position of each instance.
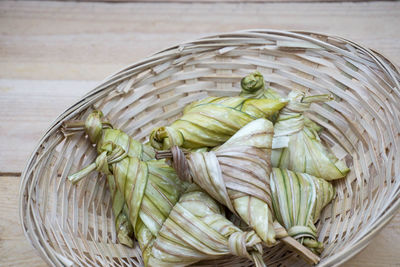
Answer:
(15, 250)
(217, 1)
(89, 41)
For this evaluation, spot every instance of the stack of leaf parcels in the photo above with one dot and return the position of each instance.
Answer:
(225, 151)
(175, 223)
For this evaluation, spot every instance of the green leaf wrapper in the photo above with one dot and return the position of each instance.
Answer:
(212, 121)
(253, 86)
(104, 136)
(298, 199)
(196, 230)
(296, 144)
(237, 175)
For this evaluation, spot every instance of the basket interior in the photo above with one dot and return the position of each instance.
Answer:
(74, 224)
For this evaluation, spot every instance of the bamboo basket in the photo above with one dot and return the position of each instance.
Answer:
(73, 225)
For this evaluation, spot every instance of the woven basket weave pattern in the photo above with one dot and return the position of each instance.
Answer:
(74, 224)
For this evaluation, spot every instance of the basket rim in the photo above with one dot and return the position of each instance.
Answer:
(98, 91)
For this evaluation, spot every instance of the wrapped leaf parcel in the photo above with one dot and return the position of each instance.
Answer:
(297, 146)
(176, 224)
(237, 175)
(298, 199)
(212, 121)
(101, 133)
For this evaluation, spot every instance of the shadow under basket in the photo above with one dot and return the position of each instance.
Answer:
(73, 225)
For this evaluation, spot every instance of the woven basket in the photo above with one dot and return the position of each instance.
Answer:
(73, 225)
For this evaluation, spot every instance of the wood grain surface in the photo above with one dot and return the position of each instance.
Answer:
(220, 1)
(51, 53)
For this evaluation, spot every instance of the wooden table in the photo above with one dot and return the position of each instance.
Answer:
(51, 53)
